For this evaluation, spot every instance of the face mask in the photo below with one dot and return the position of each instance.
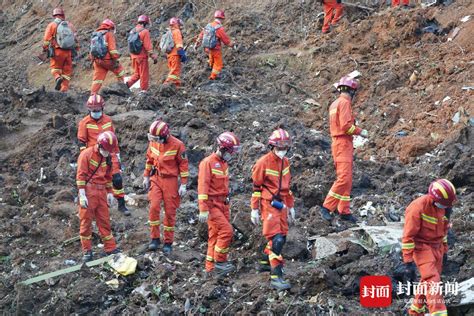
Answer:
(96, 115)
(226, 156)
(281, 153)
(439, 205)
(104, 153)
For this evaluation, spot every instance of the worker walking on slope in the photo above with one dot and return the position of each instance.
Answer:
(94, 181)
(140, 46)
(333, 10)
(212, 37)
(175, 53)
(166, 160)
(105, 56)
(273, 197)
(425, 243)
(213, 200)
(342, 127)
(90, 127)
(61, 44)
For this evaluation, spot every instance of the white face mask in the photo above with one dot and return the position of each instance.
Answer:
(281, 153)
(439, 205)
(96, 115)
(227, 157)
(104, 153)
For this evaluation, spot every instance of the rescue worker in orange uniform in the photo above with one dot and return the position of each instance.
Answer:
(94, 181)
(61, 62)
(90, 127)
(273, 197)
(333, 10)
(342, 127)
(177, 55)
(215, 54)
(166, 160)
(213, 200)
(140, 61)
(110, 62)
(425, 243)
(405, 3)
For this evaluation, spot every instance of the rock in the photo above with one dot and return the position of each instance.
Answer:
(196, 123)
(58, 121)
(118, 88)
(167, 90)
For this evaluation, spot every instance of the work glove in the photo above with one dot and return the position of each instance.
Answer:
(182, 54)
(146, 183)
(203, 216)
(110, 199)
(83, 198)
(182, 190)
(410, 271)
(255, 217)
(291, 215)
(364, 133)
(235, 47)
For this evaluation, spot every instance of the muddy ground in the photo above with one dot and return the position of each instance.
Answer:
(281, 73)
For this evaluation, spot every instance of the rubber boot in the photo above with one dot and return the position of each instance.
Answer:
(349, 218)
(153, 246)
(59, 81)
(277, 282)
(87, 256)
(223, 268)
(167, 249)
(122, 207)
(326, 214)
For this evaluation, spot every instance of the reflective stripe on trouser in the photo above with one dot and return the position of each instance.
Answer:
(220, 234)
(97, 209)
(215, 62)
(163, 190)
(61, 66)
(174, 66)
(118, 191)
(339, 195)
(429, 260)
(274, 222)
(332, 13)
(140, 71)
(101, 68)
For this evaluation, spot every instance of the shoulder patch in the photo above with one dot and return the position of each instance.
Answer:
(217, 165)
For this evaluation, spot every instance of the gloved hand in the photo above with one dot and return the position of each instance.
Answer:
(410, 271)
(182, 54)
(182, 190)
(146, 183)
(83, 198)
(255, 217)
(203, 216)
(364, 133)
(110, 199)
(291, 215)
(235, 47)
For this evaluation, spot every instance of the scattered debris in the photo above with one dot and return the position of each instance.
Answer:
(401, 134)
(359, 141)
(466, 18)
(123, 264)
(114, 283)
(364, 210)
(454, 34)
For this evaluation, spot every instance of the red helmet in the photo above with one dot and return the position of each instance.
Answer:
(58, 11)
(443, 192)
(95, 103)
(159, 129)
(176, 21)
(280, 138)
(143, 19)
(229, 142)
(348, 82)
(109, 23)
(219, 14)
(108, 141)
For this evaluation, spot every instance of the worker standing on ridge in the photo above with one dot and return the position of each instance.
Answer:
(105, 56)
(61, 44)
(213, 200)
(425, 243)
(405, 3)
(177, 54)
(166, 160)
(90, 127)
(211, 38)
(341, 125)
(272, 195)
(333, 10)
(94, 181)
(140, 46)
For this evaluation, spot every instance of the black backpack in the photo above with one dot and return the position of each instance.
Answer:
(135, 44)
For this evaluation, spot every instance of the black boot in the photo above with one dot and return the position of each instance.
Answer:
(349, 218)
(167, 249)
(326, 214)
(224, 268)
(87, 256)
(59, 81)
(122, 207)
(277, 282)
(153, 246)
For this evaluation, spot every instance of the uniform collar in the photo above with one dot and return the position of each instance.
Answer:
(217, 21)
(216, 156)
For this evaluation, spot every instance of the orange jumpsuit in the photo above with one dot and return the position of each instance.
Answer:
(140, 61)
(108, 63)
(169, 161)
(425, 241)
(87, 133)
(97, 185)
(341, 124)
(213, 190)
(397, 2)
(332, 13)
(61, 63)
(174, 60)
(266, 175)
(215, 54)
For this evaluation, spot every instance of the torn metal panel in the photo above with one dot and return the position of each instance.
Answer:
(382, 238)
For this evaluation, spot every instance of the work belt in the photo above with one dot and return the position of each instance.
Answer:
(97, 186)
(156, 172)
